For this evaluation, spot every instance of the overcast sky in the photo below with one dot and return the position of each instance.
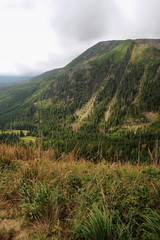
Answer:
(40, 35)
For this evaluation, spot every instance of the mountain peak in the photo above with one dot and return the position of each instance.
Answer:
(118, 79)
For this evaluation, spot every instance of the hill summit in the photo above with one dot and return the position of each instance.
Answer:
(112, 84)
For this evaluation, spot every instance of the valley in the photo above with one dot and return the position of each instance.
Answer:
(80, 148)
(9, 80)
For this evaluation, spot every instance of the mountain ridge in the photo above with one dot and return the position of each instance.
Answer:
(110, 69)
(8, 79)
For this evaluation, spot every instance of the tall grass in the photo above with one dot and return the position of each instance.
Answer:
(98, 226)
(103, 224)
(151, 225)
(53, 198)
(24, 153)
(39, 203)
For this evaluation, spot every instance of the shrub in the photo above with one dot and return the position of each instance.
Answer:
(39, 202)
(103, 224)
(151, 225)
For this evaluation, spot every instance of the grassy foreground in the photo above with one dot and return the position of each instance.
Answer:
(71, 198)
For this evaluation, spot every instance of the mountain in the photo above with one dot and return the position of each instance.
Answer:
(16, 99)
(6, 80)
(112, 84)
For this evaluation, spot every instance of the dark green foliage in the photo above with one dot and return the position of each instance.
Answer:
(9, 138)
(104, 70)
(151, 226)
(39, 203)
(151, 89)
(120, 76)
(99, 226)
(21, 134)
(103, 224)
(91, 144)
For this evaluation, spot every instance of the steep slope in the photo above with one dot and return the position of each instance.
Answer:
(122, 83)
(112, 83)
(17, 100)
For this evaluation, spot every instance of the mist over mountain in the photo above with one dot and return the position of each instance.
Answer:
(6, 80)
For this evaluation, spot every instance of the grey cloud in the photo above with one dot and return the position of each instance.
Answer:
(83, 20)
(77, 21)
(54, 61)
(25, 69)
(147, 22)
(79, 24)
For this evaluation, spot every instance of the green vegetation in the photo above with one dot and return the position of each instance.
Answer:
(126, 71)
(75, 199)
(9, 138)
(105, 224)
(119, 78)
(93, 175)
(114, 145)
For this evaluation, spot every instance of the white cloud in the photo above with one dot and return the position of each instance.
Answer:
(38, 35)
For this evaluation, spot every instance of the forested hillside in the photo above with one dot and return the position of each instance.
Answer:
(80, 148)
(105, 103)
(8, 80)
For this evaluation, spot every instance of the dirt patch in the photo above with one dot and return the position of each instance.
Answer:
(108, 112)
(151, 116)
(11, 229)
(10, 224)
(86, 109)
(76, 127)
